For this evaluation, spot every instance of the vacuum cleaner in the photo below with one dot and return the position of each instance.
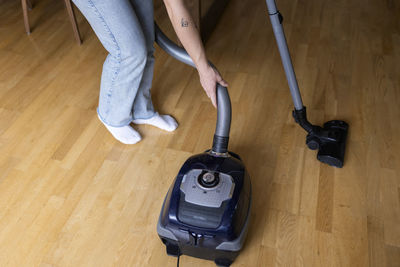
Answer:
(330, 140)
(206, 211)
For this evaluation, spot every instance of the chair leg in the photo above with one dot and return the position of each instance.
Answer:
(26, 18)
(72, 19)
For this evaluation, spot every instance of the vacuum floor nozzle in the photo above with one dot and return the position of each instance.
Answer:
(331, 142)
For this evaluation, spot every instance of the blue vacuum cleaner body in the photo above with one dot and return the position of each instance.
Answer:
(206, 211)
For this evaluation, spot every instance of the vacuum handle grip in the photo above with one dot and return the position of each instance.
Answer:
(224, 115)
(224, 111)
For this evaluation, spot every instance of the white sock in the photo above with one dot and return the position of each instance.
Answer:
(164, 122)
(124, 134)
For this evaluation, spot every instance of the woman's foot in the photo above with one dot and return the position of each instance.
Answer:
(164, 122)
(125, 134)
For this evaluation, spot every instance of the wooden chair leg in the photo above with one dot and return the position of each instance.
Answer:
(26, 18)
(72, 18)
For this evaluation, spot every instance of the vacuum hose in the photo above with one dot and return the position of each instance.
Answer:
(224, 111)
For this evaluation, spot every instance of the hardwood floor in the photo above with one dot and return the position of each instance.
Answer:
(70, 195)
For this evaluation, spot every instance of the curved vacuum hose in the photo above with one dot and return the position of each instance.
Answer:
(224, 111)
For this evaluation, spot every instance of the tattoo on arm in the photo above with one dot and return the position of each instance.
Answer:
(184, 23)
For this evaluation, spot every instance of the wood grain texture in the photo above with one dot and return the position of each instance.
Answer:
(70, 195)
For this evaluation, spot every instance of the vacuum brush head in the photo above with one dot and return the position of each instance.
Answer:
(330, 140)
(331, 144)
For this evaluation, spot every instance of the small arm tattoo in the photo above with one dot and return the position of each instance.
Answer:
(184, 23)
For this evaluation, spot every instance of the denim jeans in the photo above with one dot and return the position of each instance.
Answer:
(126, 30)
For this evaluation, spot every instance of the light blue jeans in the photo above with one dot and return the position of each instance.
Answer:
(126, 30)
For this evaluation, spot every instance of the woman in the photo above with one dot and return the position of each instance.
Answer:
(126, 30)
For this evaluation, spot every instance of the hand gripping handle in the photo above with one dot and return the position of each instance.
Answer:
(224, 110)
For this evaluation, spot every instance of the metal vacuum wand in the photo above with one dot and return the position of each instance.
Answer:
(330, 139)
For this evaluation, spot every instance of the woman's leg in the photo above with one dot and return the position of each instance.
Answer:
(143, 110)
(143, 106)
(119, 30)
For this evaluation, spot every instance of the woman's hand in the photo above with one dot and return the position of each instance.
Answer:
(209, 77)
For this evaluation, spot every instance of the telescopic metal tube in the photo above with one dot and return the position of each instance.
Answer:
(224, 110)
(276, 18)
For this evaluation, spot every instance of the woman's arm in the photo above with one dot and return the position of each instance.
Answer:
(190, 38)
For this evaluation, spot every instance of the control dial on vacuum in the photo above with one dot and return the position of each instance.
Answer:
(207, 188)
(208, 179)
